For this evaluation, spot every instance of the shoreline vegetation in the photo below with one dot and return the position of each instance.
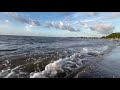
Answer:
(113, 36)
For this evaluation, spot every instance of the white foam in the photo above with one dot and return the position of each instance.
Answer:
(10, 74)
(51, 70)
(97, 50)
(85, 50)
(4, 73)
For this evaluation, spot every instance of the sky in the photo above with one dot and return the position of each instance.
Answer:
(59, 24)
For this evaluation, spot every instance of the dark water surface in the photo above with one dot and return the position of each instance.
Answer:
(46, 57)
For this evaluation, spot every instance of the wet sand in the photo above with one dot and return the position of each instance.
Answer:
(109, 67)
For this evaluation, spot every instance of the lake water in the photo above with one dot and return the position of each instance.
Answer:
(46, 57)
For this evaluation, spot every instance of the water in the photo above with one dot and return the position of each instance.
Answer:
(108, 67)
(47, 57)
(112, 61)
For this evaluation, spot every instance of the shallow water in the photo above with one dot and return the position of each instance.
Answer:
(112, 60)
(46, 57)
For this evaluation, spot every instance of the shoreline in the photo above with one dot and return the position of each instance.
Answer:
(106, 68)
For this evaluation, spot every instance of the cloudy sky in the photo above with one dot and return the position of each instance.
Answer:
(59, 24)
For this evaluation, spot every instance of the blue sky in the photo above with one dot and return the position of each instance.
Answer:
(59, 24)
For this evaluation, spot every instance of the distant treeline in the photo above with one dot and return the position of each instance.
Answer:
(112, 36)
(86, 37)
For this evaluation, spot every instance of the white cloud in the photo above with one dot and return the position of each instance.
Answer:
(103, 28)
(28, 28)
(61, 25)
(23, 19)
(91, 13)
(7, 21)
(87, 20)
(85, 25)
(113, 15)
(110, 15)
(78, 14)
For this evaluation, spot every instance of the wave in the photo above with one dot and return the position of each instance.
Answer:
(12, 73)
(95, 49)
(58, 68)
(63, 67)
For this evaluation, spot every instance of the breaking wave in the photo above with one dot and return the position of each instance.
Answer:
(63, 67)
